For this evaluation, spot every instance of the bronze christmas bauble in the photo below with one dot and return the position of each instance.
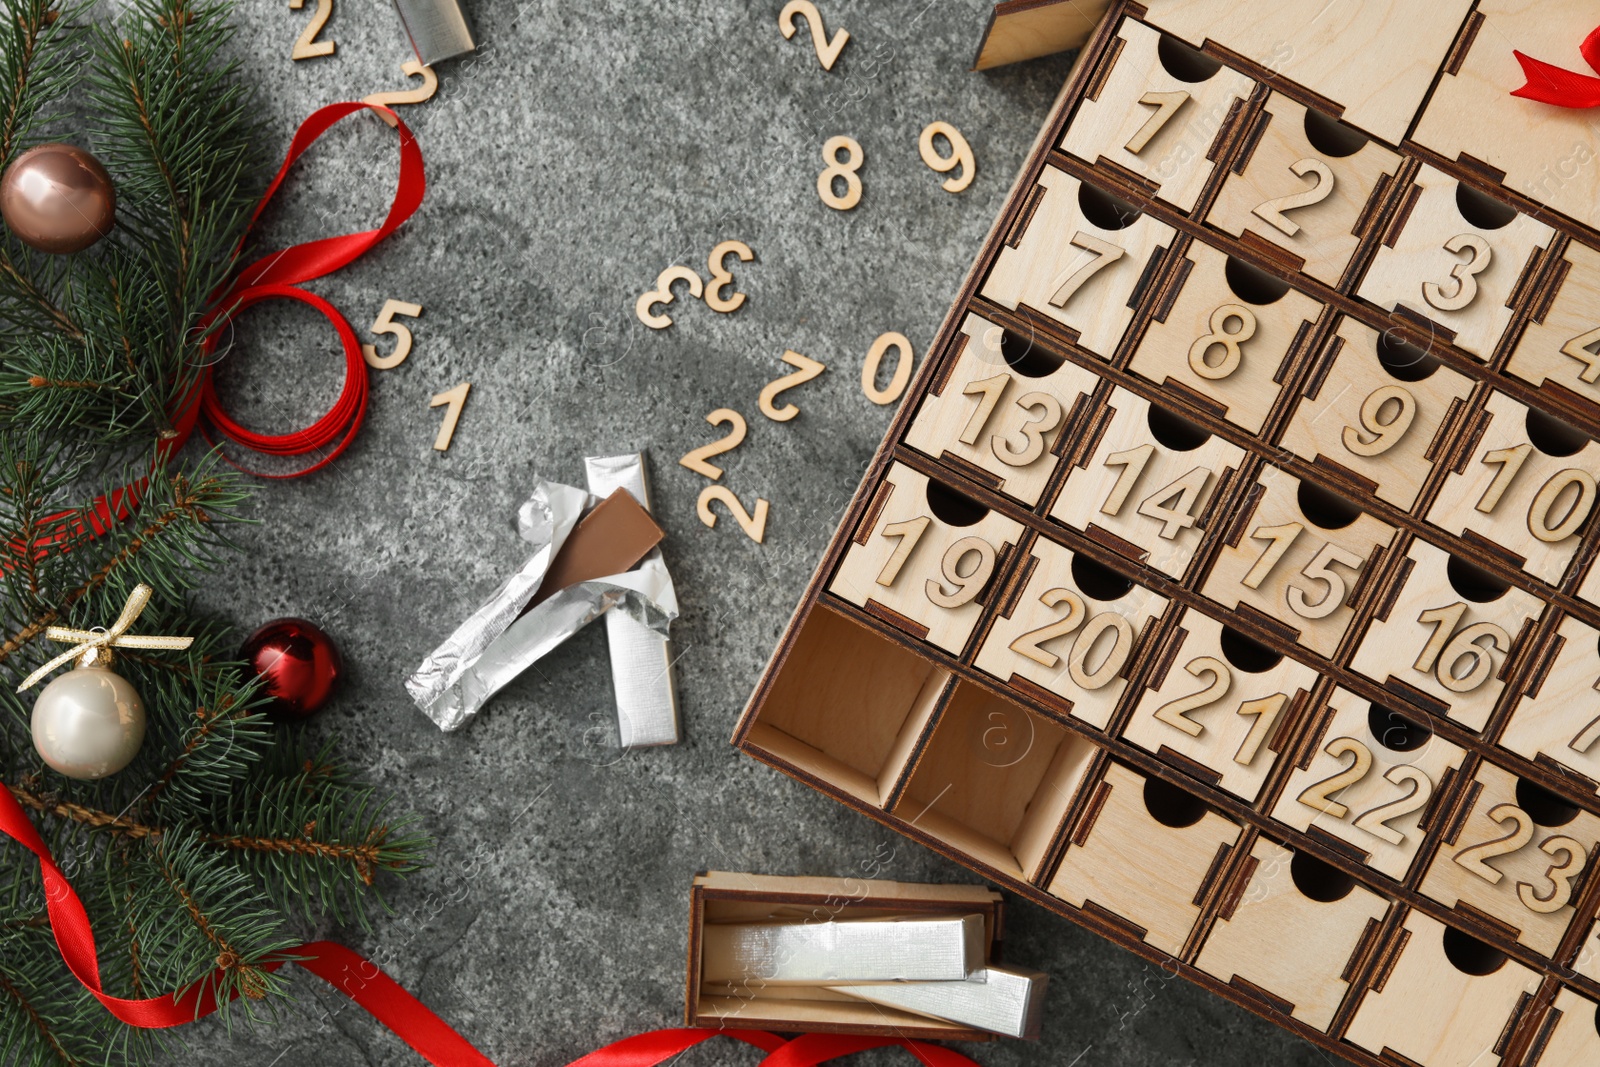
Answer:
(58, 198)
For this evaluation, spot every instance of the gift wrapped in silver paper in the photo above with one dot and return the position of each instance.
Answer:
(641, 659)
(437, 28)
(863, 950)
(1002, 1000)
(494, 645)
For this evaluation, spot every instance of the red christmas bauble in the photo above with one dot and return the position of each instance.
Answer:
(300, 663)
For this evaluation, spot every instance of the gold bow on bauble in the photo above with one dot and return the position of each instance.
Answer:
(86, 641)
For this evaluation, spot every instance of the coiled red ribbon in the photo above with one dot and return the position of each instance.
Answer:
(406, 1016)
(1550, 84)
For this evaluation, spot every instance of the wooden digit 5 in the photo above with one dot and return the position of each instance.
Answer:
(385, 324)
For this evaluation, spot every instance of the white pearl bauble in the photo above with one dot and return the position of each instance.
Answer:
(88, 723)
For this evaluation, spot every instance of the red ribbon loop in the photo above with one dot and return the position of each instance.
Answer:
(407, 1017)
(277, 275)
(1550, 84)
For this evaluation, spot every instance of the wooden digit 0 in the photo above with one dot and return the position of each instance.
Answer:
(905, 359)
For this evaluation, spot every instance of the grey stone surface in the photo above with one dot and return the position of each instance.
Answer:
(586, 147)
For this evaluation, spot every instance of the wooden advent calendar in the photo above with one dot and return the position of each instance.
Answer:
(1227, 581)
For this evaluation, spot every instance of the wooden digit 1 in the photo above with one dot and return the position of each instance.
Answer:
(960, 155)
(904, 359)
(425, 91)
(808, 369)
(457, 399)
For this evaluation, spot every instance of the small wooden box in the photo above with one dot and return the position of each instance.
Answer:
(722, 897)
(1296, 566)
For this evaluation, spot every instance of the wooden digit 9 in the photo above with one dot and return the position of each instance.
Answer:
(922, 570)
(960, 155)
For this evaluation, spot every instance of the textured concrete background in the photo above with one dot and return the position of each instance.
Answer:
(585, 148)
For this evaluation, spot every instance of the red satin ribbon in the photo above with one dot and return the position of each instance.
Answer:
(1550, 84)
(407, 1017)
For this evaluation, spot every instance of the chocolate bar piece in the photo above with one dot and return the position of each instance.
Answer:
(945, 949)
(615, 535)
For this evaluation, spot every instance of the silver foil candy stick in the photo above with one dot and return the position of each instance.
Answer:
(437, 28)
(495, 645)
(946, 949)
(641, 659)
(1002, 1000)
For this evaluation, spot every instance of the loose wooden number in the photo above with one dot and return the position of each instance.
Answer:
(809, 369)
(1279, 539)
(1031, 644)
(1560, 876)
(1103, 254)
(1265, 710)
(1166, 105)
(457, 399)
(1446, 648)
(1172, 505)
(306, 46)
(1377, 435)
(425, 91)
(960, 156)
(988, 391)
(722, 279)
(695, 460)
(1272, 211)
(827, 51)
(904, 360)
(1585, 348)
(1464, 275)
(1229, 340)
(1542, 522)
(755, 526)
(385, 324)
(1374, 820)
(662, 294)
(854, 157)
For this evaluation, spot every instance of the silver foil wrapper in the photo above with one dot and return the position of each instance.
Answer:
(437, 28)
(494, 645)
(1001, 1000)
(641, 658)
(866, 950)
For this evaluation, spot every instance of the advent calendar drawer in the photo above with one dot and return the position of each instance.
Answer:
(999, 408)
(1305, 184)
(927, 558)
(1156, 113)
(1557, 721)
(1560, 350)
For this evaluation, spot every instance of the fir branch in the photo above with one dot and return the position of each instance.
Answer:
(81, 814)
(46, 1034)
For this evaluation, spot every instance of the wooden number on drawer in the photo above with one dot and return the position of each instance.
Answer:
(1368, 776)
(1219, 703)
(1377, 412)
(1157, 113)
(1528, 486)
(925, 554)
(1298, 558)
(1071, 634)
(1000, 409)
(1227, 336)
(1517, 857)
(1562, 345)
(1152, 478)
(1544, 724)
(1456, 260)
(1079, 259)
(1447, 632)
(1305, 184)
